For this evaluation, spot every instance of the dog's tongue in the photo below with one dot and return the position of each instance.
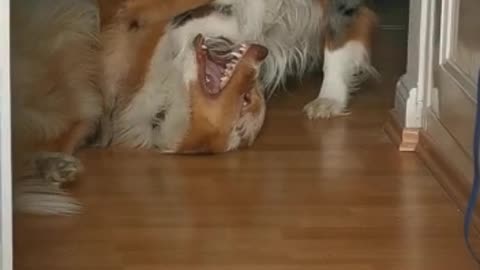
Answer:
(213, 73)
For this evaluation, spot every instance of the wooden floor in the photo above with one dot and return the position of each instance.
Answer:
(310, 195)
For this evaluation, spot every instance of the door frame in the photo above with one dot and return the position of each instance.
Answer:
(415, 86)
(6, 232)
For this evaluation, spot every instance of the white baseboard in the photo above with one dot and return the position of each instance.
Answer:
(406, 104)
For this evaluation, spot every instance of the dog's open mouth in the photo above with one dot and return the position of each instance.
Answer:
(217, 60)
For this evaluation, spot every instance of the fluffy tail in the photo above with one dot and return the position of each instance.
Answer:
(36, 196)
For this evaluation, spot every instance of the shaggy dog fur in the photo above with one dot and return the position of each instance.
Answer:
(299, 34)
(70, 75)
(186, 76)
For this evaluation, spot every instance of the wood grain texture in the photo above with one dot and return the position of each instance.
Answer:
(447, 175)
(333, 195)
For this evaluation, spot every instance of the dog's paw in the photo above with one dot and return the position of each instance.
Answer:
(324, 108)
(58, 168)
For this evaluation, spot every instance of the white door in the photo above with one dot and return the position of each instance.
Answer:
(456, 72)
(451, 102)
(5, 146)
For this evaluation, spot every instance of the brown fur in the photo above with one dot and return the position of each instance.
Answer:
(361, 29)
(69, 141)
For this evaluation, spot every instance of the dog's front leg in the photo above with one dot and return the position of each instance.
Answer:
(38, 188)
(346, 58)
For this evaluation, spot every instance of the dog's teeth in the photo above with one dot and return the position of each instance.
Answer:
(207, 79)
(230, 66)
(223, 81)
(242, 49)
(235, 61)
(204, 47)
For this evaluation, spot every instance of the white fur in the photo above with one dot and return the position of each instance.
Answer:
(290, 29)
(340, 68)
(133, 125)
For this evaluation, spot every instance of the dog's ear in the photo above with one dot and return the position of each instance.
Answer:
(138, 12)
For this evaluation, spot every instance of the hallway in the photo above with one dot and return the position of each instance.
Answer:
(333, 195)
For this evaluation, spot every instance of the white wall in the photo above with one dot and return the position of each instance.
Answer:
(5, 152)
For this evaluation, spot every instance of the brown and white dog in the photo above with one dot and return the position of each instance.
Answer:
(178, 89)
(135, 76)
(149, 55)
(176, 76)
(297, 33)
